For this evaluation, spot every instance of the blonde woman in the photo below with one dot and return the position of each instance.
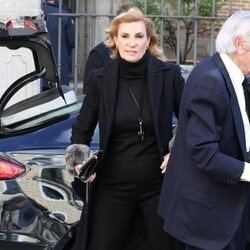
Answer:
(133, 99)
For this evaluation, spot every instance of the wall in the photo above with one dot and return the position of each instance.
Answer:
(234, 6)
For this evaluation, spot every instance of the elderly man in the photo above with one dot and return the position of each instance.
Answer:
(204, 194)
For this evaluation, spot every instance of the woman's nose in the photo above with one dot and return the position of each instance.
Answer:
(132, 42)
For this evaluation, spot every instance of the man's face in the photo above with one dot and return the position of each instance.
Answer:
(242, 56)
(245, 63)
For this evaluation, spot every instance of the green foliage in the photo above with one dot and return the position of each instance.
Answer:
(169, 12)
(206, 7)
(187, 7)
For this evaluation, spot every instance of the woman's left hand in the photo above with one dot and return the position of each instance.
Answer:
(91, 178)
(78, 170)
(164, 164)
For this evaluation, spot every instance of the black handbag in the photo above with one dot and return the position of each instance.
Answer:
(90, 166)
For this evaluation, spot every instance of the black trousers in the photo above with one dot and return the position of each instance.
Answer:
(114, 209)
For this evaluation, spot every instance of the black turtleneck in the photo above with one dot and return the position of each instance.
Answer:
(134, 70)
(128, 157)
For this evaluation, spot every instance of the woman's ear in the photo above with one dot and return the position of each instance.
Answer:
(148, 42)
(115, 39)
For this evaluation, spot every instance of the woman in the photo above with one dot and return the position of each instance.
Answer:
(133, 99)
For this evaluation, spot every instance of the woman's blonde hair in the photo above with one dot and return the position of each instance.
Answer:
(129, 17)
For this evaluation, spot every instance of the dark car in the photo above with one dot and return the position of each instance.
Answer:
(39, 209)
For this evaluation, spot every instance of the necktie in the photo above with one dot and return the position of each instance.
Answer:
(246, 87)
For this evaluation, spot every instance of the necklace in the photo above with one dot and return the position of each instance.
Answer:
(140, 132)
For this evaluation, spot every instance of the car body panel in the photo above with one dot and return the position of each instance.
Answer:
(48, 136)
(41, 207)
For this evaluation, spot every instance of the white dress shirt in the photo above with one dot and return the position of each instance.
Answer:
(237, 77)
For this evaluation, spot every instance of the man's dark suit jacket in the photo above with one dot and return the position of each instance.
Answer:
(203, 199)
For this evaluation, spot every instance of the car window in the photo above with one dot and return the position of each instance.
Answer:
(40, 109)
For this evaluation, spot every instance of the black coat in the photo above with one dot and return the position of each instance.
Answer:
(98, 57)
(165, 85)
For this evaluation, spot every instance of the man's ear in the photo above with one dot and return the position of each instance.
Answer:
(239, 44)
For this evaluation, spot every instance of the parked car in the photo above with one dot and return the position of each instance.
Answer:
(39, 209)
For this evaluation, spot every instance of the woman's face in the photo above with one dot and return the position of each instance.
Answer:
(132, 41)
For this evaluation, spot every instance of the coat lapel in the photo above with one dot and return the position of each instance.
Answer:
(109, 88)
(155, 79)
(234, 103)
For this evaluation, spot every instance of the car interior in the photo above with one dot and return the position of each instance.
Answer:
(15, 111)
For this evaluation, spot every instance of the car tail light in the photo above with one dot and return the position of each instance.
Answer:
(10, 170)
(20, 23)
(22, 26)
(29, 25)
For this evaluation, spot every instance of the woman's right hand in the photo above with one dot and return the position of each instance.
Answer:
(78, 170)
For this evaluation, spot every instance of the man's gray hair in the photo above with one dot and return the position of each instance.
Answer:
(237, 24)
